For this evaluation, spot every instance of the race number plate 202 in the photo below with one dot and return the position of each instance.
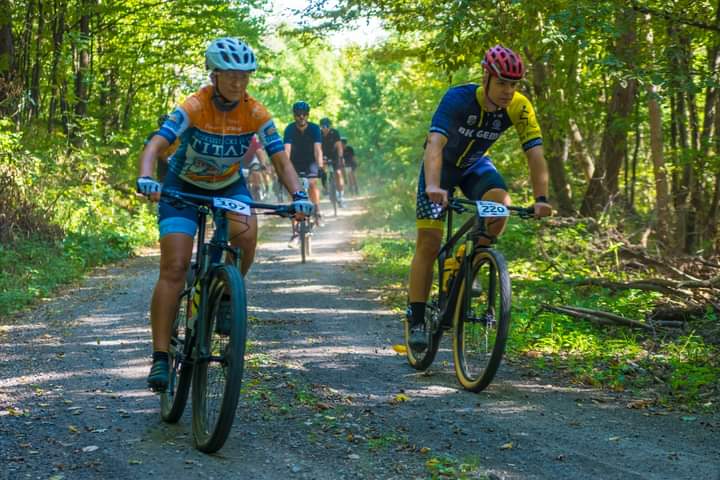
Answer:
(232, 205)
(491, 209)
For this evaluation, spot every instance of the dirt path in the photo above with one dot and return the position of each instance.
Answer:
(320, 397)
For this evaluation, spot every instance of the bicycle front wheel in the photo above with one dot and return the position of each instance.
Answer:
(481, 320)
(220, 358)
(173, 400)
(304, 240)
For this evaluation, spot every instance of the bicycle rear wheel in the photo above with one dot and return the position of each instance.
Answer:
(219, 362)
(482, 319)
(173, 400)
(422, 360)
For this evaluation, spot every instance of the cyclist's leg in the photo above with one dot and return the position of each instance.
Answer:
(175, 253)
(488, 185)
(340, 182)
(313, 190)
(177, 230)
(429, 220)
(242, 230)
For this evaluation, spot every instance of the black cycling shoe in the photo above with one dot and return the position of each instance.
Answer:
(159, 375)
(418, 340)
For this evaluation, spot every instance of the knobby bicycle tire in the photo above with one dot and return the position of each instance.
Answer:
(481, 320)
(174, 399)
(304, 232)
(210, 427)
(422, 360)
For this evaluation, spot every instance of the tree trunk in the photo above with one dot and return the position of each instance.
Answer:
(7, 60)
(81, 78)
(587, 162)
(604, 184)
(58, 34)
(35, 81)
(662, 199)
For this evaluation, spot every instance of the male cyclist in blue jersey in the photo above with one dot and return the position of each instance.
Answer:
(215, 126)
(468, 120)
(303, 145)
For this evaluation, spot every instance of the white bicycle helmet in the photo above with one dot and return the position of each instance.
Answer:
(229, 54)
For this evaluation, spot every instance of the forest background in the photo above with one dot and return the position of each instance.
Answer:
(626, 94)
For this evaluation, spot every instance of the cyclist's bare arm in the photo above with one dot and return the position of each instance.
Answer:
(150, 153)
(286, 172)
(339, 149)
(262, 156)
(539, 179)
(317, 150)
(432, 163)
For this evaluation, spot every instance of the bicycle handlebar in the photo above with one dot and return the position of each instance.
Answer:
(457, 204)
(195, 201)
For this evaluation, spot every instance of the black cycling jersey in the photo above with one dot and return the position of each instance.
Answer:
(328, 145)
(349, 154)
(302, 154)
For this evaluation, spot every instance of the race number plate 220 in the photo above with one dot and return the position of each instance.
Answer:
(232, 205)
(491, 209)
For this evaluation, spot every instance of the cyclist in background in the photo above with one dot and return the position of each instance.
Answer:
(303, 145)
(468, 120)
(332, 150)
(350, 166)
(255, 163)
(215, 126)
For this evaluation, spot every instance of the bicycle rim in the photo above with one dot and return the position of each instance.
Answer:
(174, 399)
(217, 379)
(481, 320)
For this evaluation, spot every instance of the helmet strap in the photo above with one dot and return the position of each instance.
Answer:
(222, 103)
(487, 94)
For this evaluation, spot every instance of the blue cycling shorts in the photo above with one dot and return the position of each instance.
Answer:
(183, 219)
(472, 184)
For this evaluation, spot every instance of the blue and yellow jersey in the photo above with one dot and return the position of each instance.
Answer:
(213, 142)
(471, 130)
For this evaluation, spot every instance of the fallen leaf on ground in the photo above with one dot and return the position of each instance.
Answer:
(639, 404)
(73, 429)
(506, 446)
(399, 348)
(90, 448)
(399, 398)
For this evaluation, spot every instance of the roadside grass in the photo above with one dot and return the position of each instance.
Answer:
(674, 370)
(33, 268)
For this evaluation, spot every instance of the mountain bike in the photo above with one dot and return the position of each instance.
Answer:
(305, 227)
(473, 297)
(207, 344)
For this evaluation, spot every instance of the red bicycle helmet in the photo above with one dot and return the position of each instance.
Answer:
(504, 63)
